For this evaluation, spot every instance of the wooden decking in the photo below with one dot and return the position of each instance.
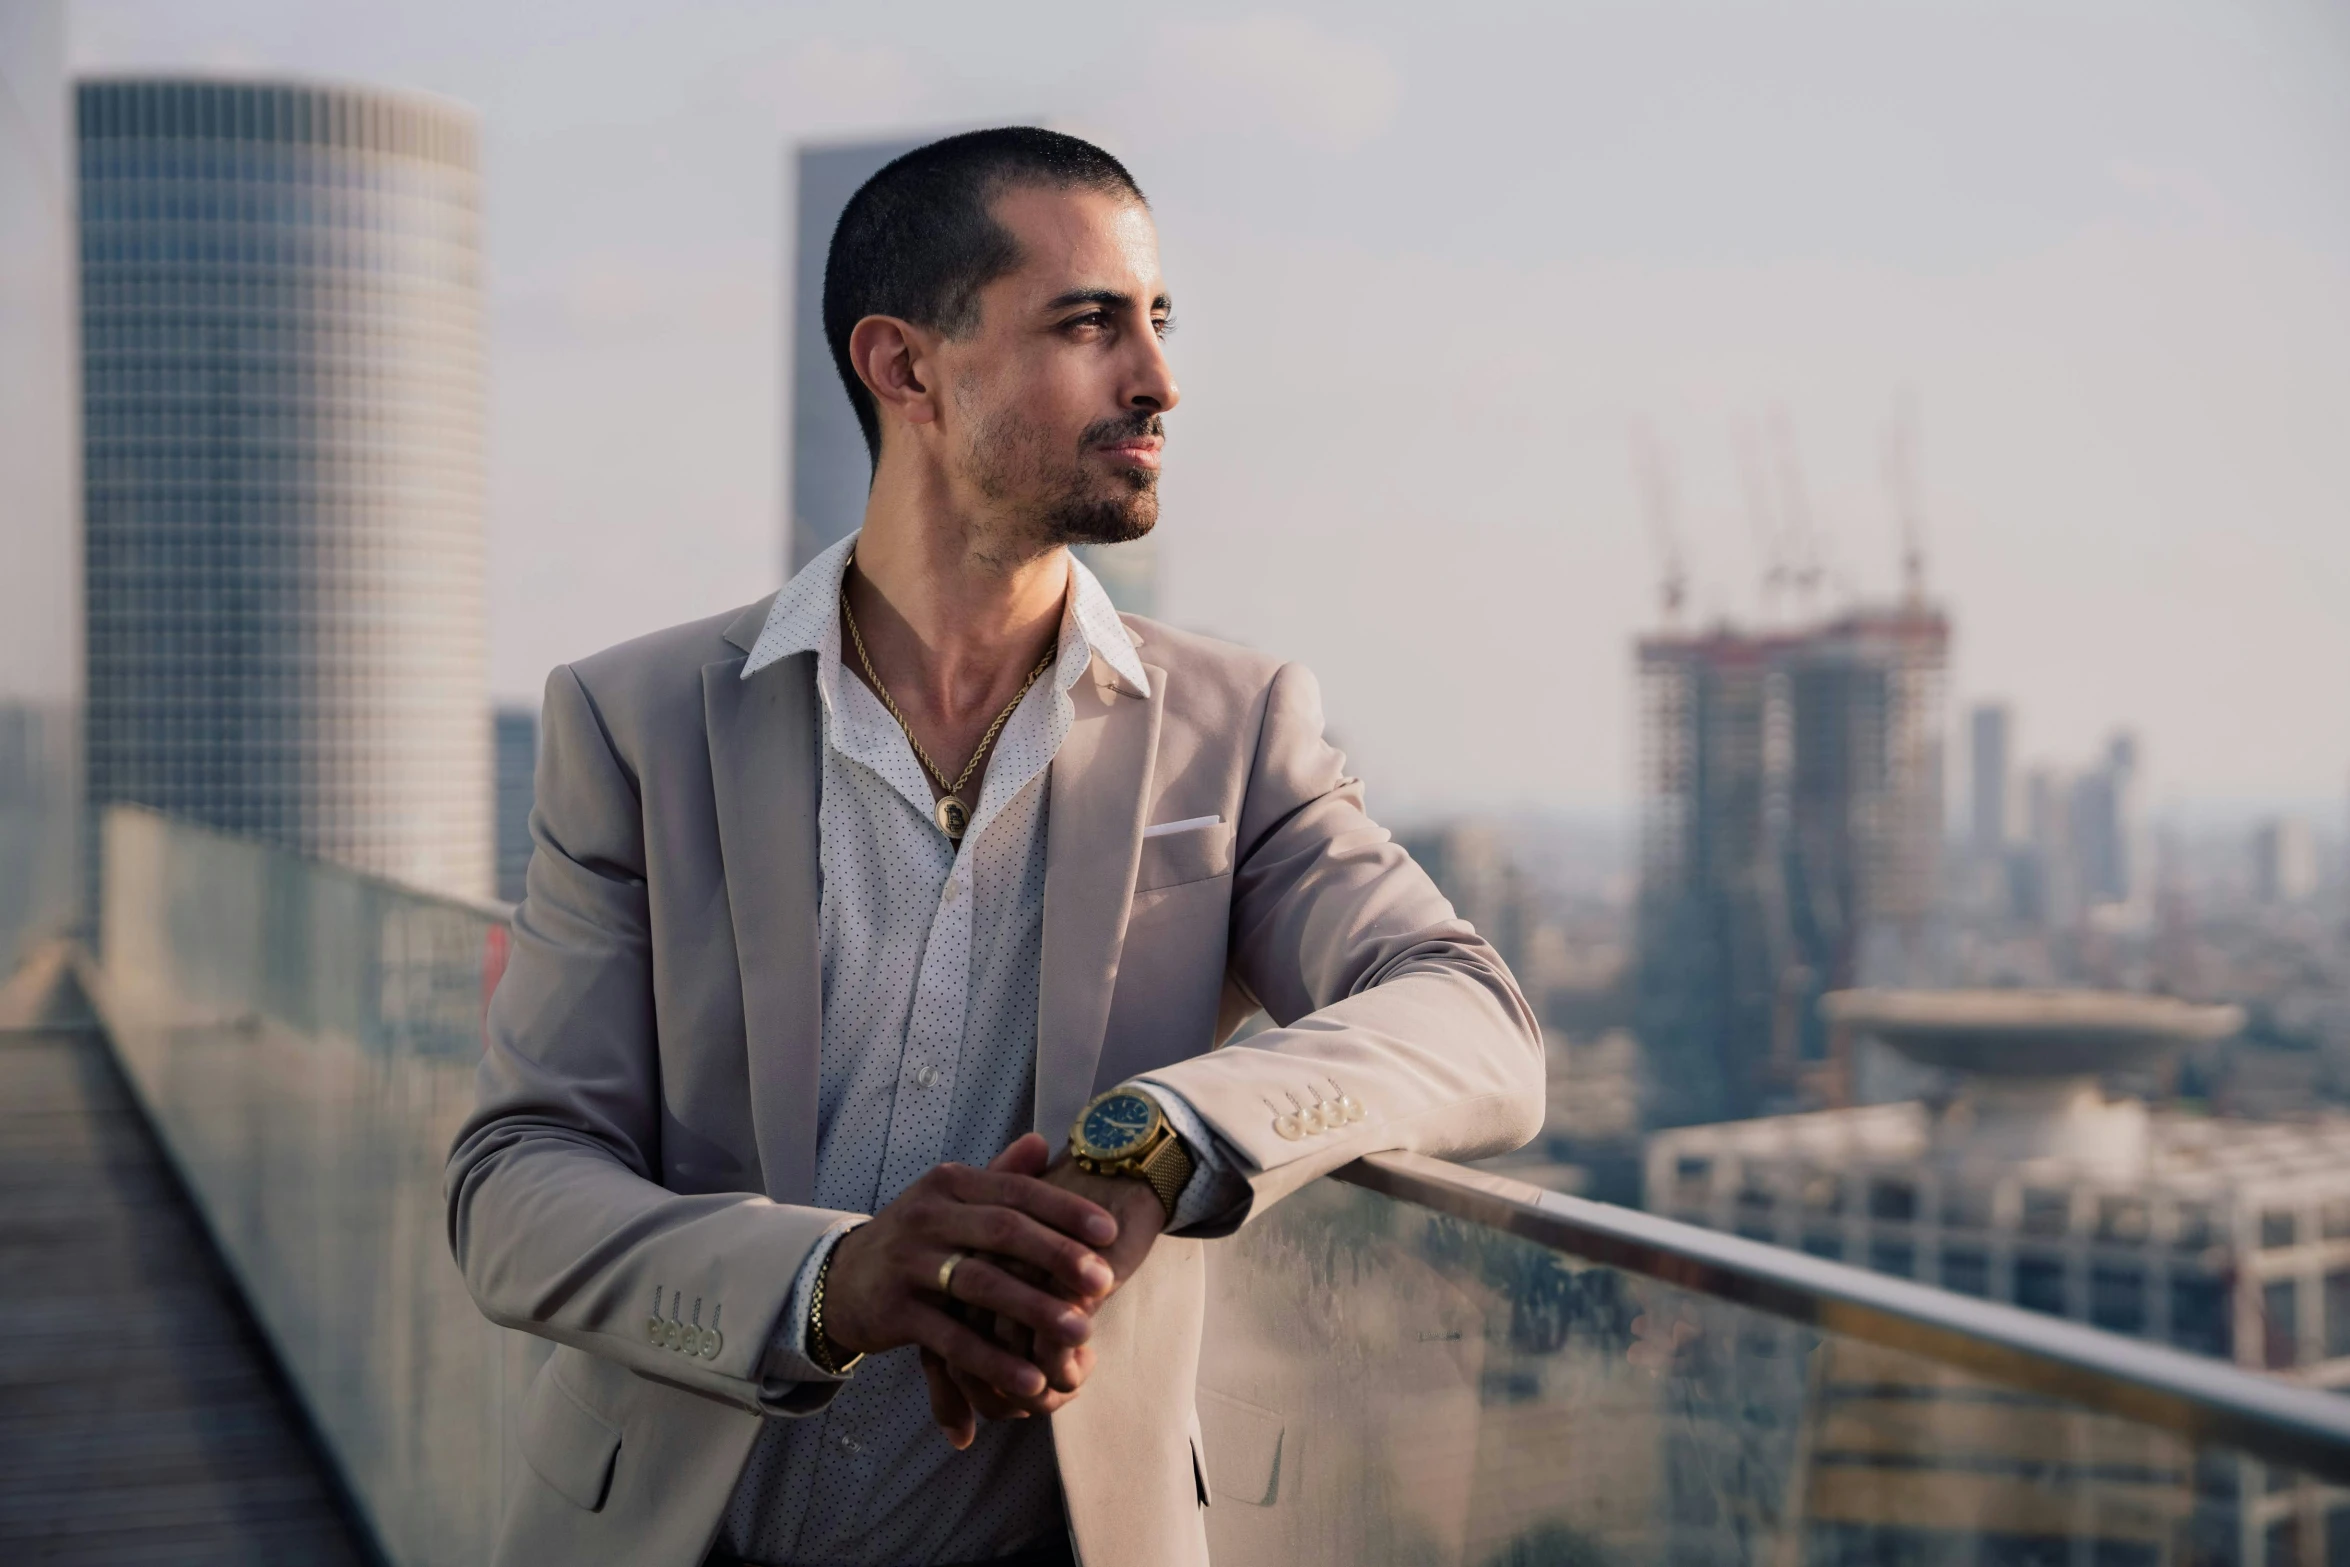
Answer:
(141, 1419)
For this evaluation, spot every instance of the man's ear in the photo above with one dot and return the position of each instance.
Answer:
(893, 359)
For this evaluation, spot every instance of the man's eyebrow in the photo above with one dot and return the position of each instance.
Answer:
(1107, 298)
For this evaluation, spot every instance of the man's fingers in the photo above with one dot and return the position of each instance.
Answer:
(991, 1404)
(950, 1408)
(979, 1282)
(1007, 1232)
(1028, 1154)
(975, 1356)
(1048, 1204)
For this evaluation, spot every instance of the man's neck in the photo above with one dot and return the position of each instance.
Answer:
(952, 617)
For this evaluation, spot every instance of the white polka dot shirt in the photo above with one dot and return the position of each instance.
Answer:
(930, 960)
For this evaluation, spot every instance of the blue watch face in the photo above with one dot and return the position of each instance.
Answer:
(1119, 1122)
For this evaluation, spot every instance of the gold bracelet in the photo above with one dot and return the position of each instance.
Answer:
(820, 1344)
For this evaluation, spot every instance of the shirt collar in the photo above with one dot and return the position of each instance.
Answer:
(805, 618)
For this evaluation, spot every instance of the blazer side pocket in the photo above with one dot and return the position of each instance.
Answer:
(569, 1445)
(1195, 854)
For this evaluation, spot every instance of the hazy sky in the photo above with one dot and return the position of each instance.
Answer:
(1431, 264)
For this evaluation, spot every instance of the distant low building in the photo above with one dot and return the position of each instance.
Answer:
(2032, 1185)
(1471, 865)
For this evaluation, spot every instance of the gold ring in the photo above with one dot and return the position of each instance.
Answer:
(946, 1273)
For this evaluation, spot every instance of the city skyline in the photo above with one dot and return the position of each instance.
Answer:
(2121, 320)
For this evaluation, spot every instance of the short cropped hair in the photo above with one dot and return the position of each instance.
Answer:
(918, 242)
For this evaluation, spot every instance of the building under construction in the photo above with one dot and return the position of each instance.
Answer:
(1791, 785)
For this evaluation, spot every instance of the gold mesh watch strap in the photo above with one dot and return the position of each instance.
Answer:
(1168, 1169)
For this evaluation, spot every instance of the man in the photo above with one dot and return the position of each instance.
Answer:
(837, 899)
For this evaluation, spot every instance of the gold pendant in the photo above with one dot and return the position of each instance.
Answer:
(953, 816)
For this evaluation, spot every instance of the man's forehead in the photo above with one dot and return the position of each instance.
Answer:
(1081, 240)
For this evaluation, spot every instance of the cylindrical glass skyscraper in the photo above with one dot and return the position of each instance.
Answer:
(283, 438)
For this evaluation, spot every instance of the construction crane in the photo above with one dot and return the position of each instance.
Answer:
(1654, 476)
(1770, 541)
(1901, 478)
(1806, 565)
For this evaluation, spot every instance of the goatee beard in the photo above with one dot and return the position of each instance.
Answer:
(1078, 518)
(1099, 520)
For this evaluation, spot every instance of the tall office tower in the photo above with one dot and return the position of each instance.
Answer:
(2101, 824)
(1988, 755)
(830, 470)
(515, 744)
(40, 509)
(282, 369)
(1791, 829)
(2284, 861)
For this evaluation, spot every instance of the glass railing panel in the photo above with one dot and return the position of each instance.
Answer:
(1382, 1384)
(305, 1039)
(1386, 1376)
(40, 827)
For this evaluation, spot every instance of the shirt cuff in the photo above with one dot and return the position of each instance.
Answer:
(1218, 1191)
(787, 1352)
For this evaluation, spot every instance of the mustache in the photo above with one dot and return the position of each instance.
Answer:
(1126, 427)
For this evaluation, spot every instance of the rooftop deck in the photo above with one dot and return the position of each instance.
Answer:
(141, 1416)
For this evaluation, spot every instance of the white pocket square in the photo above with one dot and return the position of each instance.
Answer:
(1188, 824)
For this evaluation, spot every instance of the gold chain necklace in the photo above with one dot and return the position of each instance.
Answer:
(952, 814)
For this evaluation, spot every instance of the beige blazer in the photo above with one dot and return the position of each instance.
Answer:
(634, 1183)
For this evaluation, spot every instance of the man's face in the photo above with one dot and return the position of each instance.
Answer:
(1057, 395)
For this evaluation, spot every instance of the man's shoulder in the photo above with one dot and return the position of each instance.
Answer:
(653, 672)
(1191, 658)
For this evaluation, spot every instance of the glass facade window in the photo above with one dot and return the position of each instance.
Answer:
(1967, 1270)
(2117, 1300)
(1899, 1258)
(2046, 1212)
(283, 460)
(2337, 1308)
(1895, 1201)
(2280, 1324)
(2199, 1317)
(1965, 1207)
(2277, 1229)
(2039, 1284)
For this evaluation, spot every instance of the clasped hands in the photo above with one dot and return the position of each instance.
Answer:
(1045, 1245)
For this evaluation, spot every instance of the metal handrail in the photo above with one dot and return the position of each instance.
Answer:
(2204, 1400)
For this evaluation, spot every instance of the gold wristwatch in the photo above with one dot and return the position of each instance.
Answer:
(1124, 1132)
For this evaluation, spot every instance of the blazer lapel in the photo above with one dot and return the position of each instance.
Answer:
(1099, 791)
(763, 767)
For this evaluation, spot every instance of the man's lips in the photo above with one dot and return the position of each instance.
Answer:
(1142, 450)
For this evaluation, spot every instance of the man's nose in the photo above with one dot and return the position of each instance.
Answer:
(1154, 385)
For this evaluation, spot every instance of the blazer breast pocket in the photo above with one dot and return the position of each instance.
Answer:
(1192, 852)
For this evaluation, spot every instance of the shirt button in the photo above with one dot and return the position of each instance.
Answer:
(954, 887)
(926, 1075)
